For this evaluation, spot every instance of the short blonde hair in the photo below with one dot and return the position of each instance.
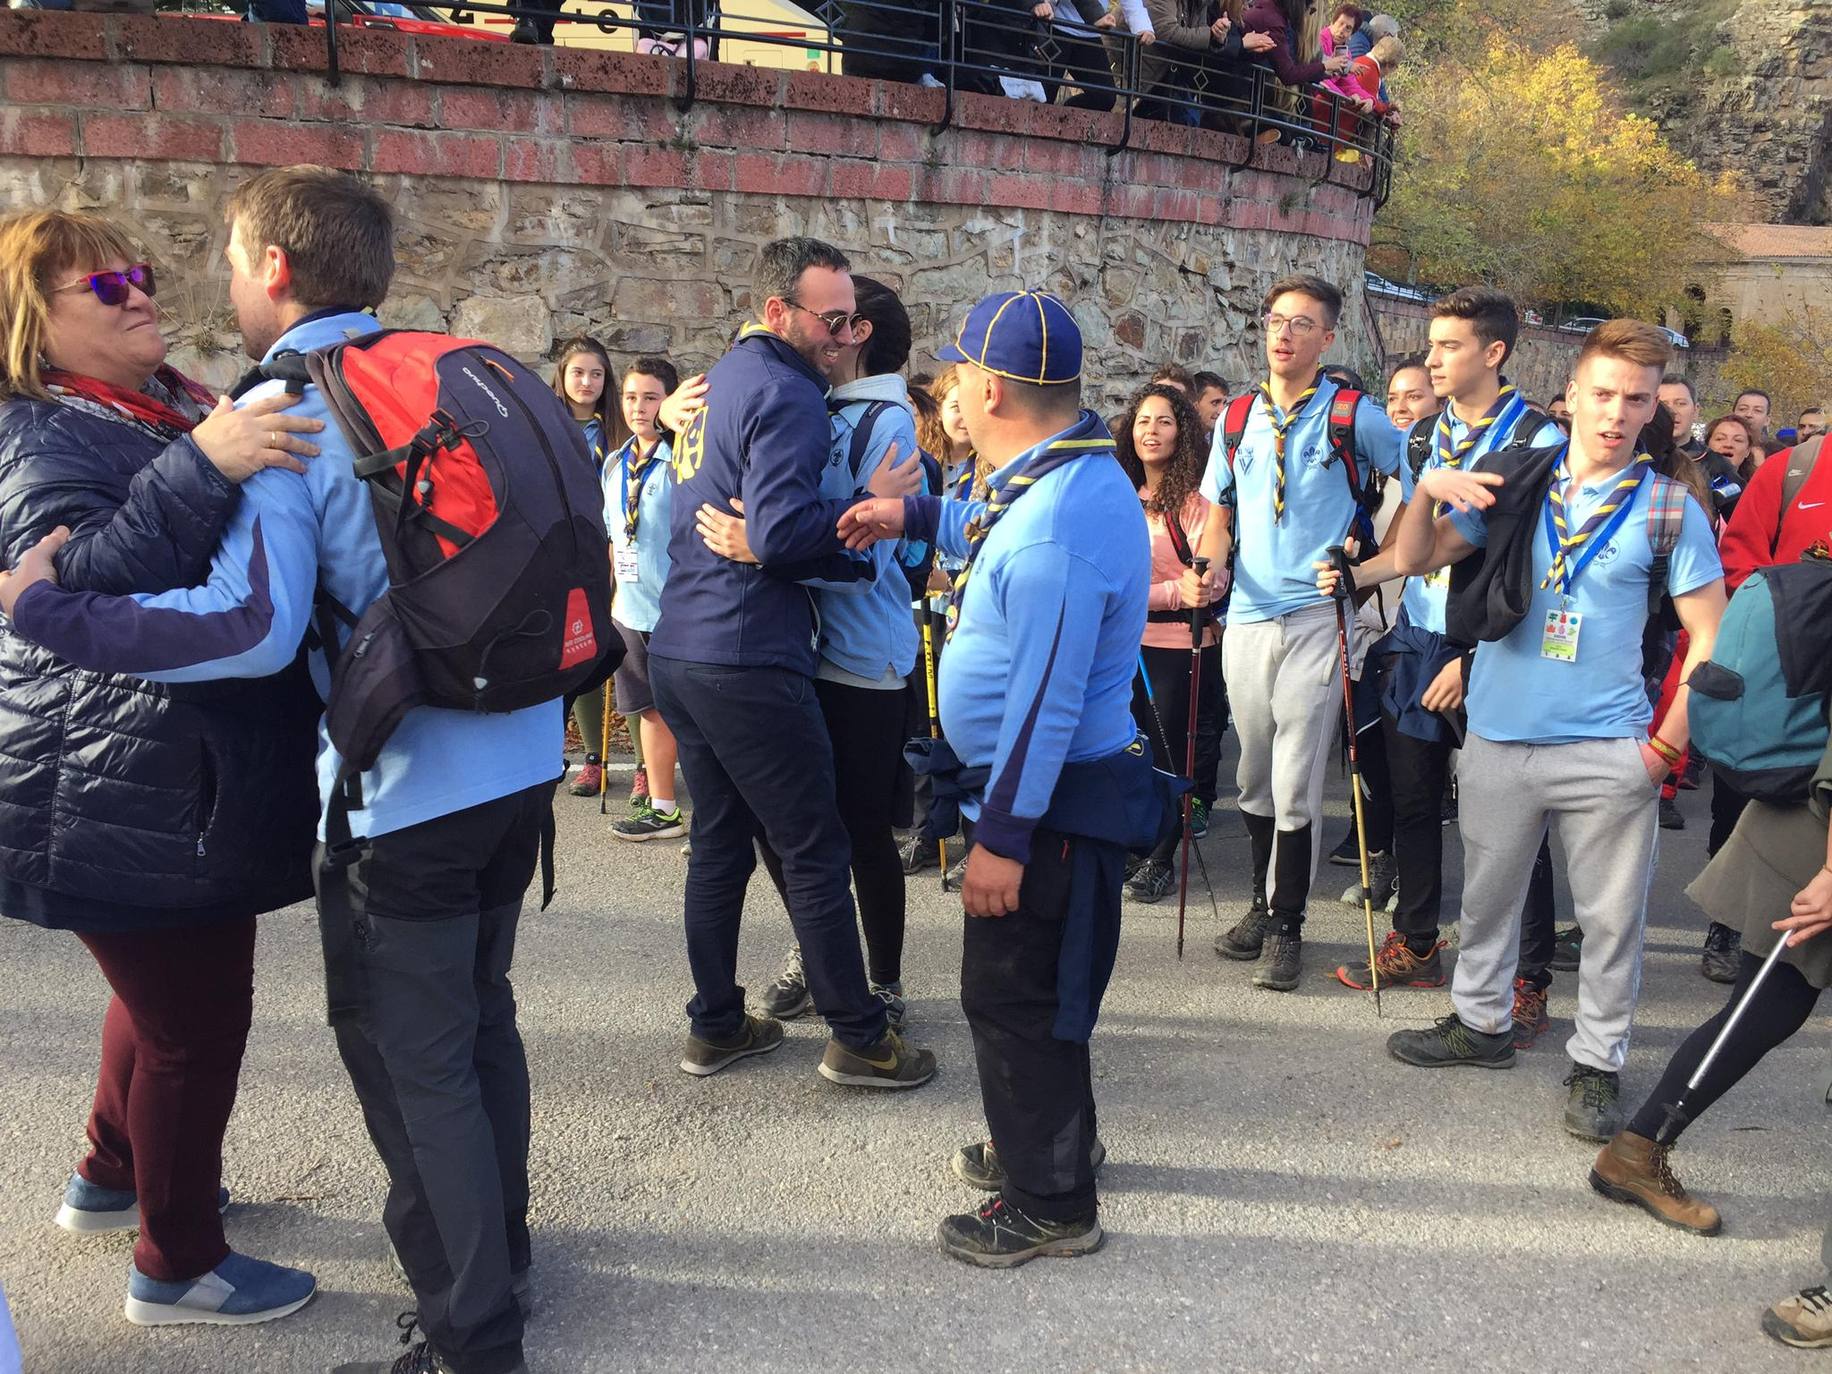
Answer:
(1387, 51)
(1630, 341)
(37, 247)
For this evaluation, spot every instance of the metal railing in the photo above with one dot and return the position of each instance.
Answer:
(986, 47)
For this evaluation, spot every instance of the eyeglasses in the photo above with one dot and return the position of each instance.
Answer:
(835, 320)
(111, 287)
(1300, 324)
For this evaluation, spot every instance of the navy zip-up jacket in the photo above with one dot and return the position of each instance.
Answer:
(764, 437)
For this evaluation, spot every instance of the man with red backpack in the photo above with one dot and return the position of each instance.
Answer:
(1290, 466)
(443, 770)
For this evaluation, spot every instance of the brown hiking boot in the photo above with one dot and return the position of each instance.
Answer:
(1633, 1169)
(1530, 1017)
(1397, 966)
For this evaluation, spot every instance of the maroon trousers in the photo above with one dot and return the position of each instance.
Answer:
(172, 1045)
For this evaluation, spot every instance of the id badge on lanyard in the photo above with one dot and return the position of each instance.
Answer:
(1559, 642)
(628, 567)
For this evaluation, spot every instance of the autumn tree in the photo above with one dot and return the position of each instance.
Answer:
(1522, 171)
(1790, 358)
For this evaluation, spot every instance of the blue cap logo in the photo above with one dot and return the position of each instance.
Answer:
(1026, 336)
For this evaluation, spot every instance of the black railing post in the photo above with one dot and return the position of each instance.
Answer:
(952, 37)
(332, 74)
(685, 101)
(1129, 79)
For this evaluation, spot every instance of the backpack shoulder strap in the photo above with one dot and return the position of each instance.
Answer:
(1800, 465)
(1342, 409)
(1666, 519)
(1418, 447)
(288, 367)
(861, 435)
(1234, 424)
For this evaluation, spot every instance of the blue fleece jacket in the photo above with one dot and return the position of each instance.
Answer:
(1039, 671)
(289, 533)
(763, 437)
(865, 622)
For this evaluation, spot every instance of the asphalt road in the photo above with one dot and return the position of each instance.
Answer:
(1280, 1194)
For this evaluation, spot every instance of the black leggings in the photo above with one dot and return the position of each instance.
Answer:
(866, 725)
(1780, 1009)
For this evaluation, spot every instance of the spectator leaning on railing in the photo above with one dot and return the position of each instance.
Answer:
(1194, 36)
(1283, 21)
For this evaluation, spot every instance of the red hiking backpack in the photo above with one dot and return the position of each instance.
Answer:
(1341, 445)
(491, 523)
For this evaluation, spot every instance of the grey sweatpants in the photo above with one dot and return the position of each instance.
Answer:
(1598, 794)
(1285, 694)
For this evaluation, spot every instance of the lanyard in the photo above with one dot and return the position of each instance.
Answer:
(632, 510)
(1596, 531)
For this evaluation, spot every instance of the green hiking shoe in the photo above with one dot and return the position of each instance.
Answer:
(704, 1058)
(1449, 1043)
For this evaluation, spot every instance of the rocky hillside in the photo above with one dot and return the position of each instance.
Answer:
(1742, 84)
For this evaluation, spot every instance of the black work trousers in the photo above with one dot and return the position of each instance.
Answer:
(419, 935)
(866, 725)
(758, 762)
(1038, 1091)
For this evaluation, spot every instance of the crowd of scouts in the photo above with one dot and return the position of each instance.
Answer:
(850, 609)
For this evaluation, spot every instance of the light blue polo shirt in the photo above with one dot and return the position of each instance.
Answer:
(1516, 694)
(638, 602)
(1273, 572)
(1424, 597)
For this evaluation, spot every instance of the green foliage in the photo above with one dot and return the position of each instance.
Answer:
(1652, 54)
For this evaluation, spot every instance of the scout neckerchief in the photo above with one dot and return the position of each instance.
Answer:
(1571, 553)
(1280, 428)
(1451, 454)
(632, 491)
(1088, 435)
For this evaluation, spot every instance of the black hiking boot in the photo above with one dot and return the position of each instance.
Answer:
(999, 1236)
(1449, 1044)
(1723, 957)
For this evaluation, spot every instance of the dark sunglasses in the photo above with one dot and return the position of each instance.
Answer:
(835, 320)
(111, 287)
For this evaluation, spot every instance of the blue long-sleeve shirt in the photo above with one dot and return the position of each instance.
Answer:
(1039, 671)
(763, 437)
(289, 534)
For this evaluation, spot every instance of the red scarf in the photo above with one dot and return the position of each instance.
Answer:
(136, 405)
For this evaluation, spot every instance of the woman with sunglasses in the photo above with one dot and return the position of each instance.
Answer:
(153, 822)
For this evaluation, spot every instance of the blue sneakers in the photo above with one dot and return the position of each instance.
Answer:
(238, 1292)
(89, 1210)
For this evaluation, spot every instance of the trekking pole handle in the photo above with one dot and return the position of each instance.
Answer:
(1345, 578)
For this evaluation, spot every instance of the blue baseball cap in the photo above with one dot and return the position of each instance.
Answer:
(1027, 336)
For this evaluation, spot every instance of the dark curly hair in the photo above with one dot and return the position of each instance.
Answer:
(1183, 474)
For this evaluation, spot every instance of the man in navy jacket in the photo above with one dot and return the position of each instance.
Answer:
(733, 659)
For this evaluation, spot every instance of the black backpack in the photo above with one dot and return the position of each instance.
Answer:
(491, 524)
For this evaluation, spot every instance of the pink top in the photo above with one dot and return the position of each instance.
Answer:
(1167, 575)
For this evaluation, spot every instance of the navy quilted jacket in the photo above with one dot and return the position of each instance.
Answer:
(124, 803)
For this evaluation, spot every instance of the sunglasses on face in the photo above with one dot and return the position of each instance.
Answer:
(111, 287)
(835, 320)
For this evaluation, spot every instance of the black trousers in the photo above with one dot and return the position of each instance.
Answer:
(1038, 1091)
(866, 727)
(1164, 716)
(1782, 1008)
(1726, 810)
(756, 756)
(419, 935)
(1418, 771)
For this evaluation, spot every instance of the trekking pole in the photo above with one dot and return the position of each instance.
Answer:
(928, 676)
(1198, 621)
(1151, 703)
(604, 750)
(1339, 557)
(1676, 1110)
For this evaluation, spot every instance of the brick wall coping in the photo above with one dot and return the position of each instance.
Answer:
(200, 90)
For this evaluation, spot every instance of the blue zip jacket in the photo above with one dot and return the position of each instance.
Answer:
(865, 622)
(288, 534)
(763, 437)
(1039, 671)
(638, 604)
